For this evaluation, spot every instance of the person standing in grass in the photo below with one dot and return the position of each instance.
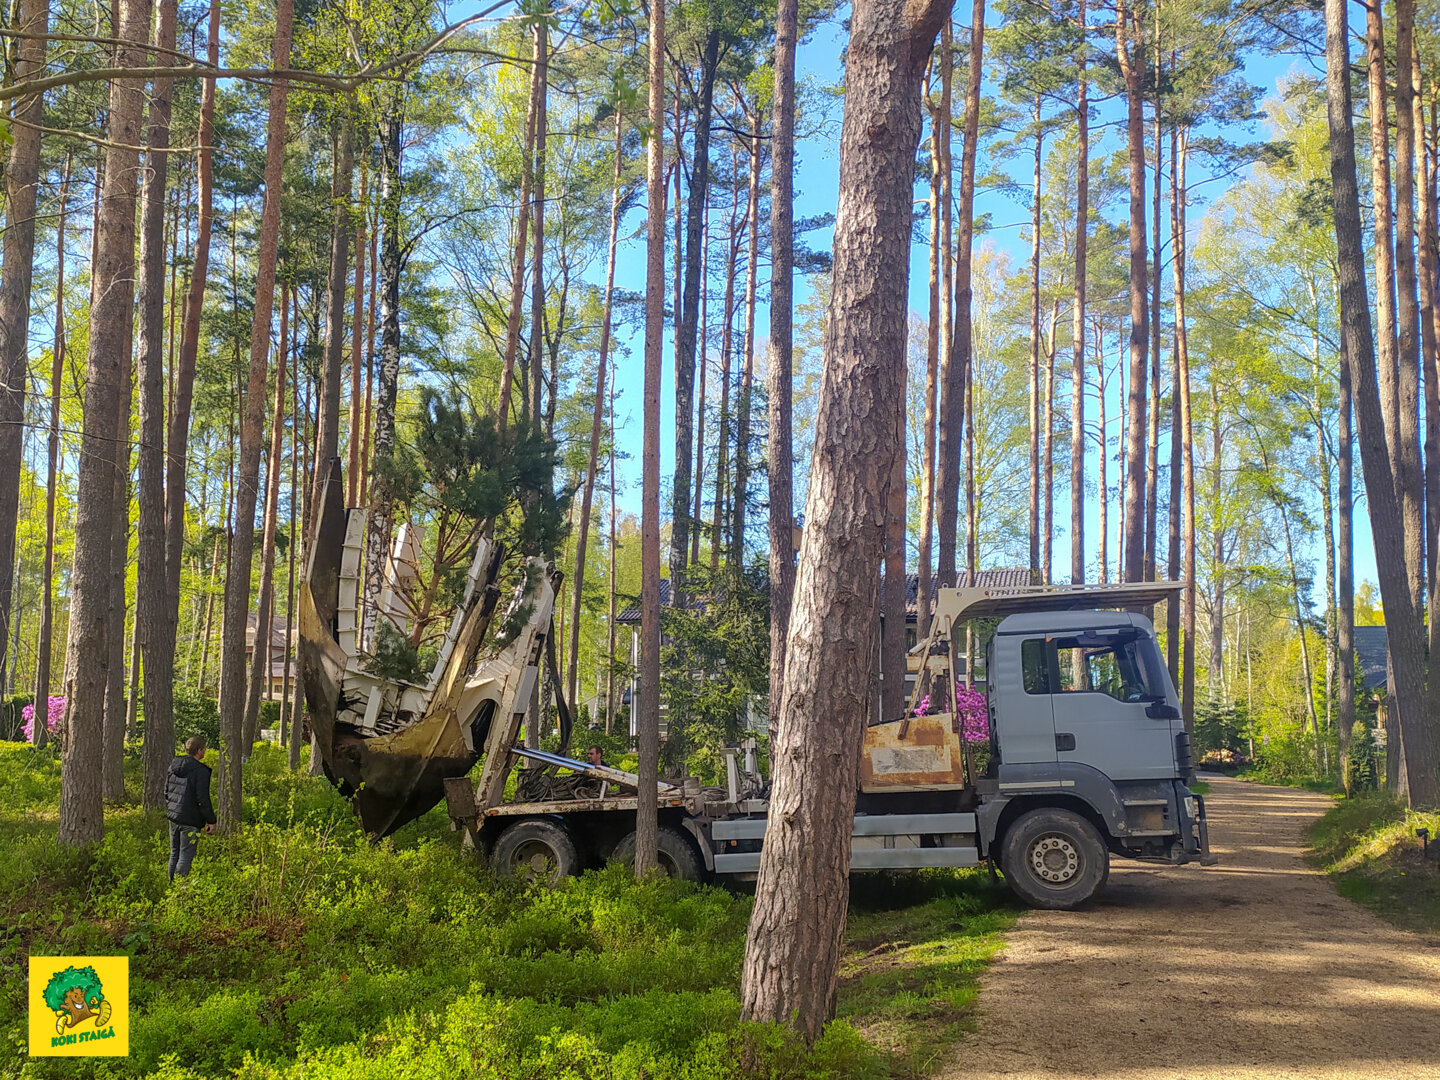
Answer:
(187, 804)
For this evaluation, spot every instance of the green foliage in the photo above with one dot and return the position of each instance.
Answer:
(1219, 725)
(397, 658)
(1363, 760)
(10, 708)
(298, 949)
(72, 978)
(196, 713)
(717, 660)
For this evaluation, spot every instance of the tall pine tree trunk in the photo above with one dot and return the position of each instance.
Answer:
(157, 664)
(380, 498)
(45, 645)
(87, 651)
(1077, 369)
(357, 354)
(690, 322)
(1132, 69)
(22, 178)
(952, 376)
(233, 749)
(583, 533)
(925, 549)
(782, 300)
(1409, 473)
(647, 720)
(160, 663)
(797, 927)
(747, 371)
(1035, 354)
(963, 415)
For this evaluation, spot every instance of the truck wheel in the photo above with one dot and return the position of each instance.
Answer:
(1054, 859)
(537, 852)
(677, 855)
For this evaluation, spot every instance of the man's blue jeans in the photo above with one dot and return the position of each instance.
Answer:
(182, 849)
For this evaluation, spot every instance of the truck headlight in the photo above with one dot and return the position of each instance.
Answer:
(1190, 807)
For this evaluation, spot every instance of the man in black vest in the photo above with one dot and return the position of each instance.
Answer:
(187, 804)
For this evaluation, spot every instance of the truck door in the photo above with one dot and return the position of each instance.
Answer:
(1106, 683)
(1020, 681)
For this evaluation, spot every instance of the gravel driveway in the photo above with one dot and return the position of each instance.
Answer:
(1251, 969)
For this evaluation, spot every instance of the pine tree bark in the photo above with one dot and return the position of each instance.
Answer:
(782, 300)
(690, 321)
(1410, 482)
(150, 573)
(582, 536)
(796, 929)
(1406, 638)
(952, 376)
(327, 436)
(87, 652)
(113, 722)
(22, 179)
(1132, 69)
(1035, 354)
(1345, 569)
(1077, 369)
(260, 663)
(379, 496)
(925, 586)
(159, 663)
(357, 354)
(45, 644)
(1377, 85)
(962, 412)
(741, 493)
(252, 428)
(647, 721)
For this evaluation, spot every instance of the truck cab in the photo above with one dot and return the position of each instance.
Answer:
(1086, 734)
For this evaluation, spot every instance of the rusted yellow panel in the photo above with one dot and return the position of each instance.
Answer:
(928, 755)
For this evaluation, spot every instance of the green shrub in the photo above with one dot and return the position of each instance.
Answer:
(10, 722)
(196, 713)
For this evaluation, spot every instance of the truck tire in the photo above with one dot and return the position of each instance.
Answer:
(678, 858)
(536, 851)
(1054, 859)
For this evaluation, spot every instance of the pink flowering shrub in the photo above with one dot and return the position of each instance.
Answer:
(52, 720)
(972, 708)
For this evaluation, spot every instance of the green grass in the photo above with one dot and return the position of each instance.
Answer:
(298, 948)
(1199, 787)
(1367, 844)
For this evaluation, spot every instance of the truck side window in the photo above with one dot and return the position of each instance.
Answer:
(1035, 666)
(1113, 666)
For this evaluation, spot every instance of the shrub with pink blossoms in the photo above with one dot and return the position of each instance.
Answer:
(973, 710)
(55, 712)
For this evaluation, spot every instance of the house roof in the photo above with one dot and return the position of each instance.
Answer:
(1371, 648)
(631, 615)
(982, 579)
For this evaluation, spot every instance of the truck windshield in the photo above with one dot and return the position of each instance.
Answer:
(1122, 665)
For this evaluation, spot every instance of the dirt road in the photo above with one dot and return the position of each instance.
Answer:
(1251, 969)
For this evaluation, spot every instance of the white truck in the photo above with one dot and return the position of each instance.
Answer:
(1083, 754)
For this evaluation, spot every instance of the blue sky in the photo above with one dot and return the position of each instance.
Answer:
(816, 183)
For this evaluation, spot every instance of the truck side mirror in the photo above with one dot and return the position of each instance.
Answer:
(1161, 710)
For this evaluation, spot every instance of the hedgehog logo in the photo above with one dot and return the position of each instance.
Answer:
(79, 1005)
(76, 996)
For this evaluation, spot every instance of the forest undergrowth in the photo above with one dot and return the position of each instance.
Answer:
(1369, 847)
(298, 948)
